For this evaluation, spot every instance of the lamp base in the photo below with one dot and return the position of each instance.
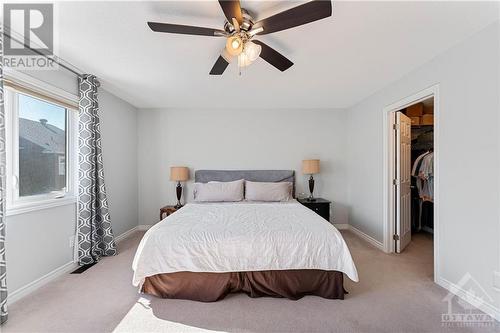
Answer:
(311, 189)
(178, 191)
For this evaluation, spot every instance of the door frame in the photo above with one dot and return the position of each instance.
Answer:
(389, 168)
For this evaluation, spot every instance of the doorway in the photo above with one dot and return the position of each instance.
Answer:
(411, 175)
(414, 174)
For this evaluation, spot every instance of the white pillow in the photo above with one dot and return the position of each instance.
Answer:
(259, 191)
(219, 191)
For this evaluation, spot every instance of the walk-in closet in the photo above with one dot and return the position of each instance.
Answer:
(422, 165)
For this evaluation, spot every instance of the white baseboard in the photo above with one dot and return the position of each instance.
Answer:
(453, 288)
(32, 286)
(467, 296)
(64, 269)
(125, 234)
(368, 238)
(341, 226)
(143, 227)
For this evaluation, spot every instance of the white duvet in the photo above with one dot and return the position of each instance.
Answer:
(236, 237)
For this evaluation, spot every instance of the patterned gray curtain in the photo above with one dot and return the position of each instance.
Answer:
(94, 233)
(3, 266)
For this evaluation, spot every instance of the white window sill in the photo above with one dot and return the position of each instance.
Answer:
(34, 206)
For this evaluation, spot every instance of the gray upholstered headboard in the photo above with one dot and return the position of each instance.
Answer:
(205, 176)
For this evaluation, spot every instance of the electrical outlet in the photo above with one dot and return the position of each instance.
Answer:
(496, 280)
(72, 241)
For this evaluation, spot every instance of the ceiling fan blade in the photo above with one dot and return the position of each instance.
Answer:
(303, 14)
(273, 57)
(185, 29)
(219, 66)
(231, 9)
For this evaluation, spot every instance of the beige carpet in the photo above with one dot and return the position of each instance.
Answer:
(395, 294)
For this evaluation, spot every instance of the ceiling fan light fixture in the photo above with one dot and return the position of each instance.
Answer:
(244, 60)
(252, 50)
(234, 45)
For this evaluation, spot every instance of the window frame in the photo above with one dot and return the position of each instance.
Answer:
(16, 204)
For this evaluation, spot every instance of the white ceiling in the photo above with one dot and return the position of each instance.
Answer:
(338, 61)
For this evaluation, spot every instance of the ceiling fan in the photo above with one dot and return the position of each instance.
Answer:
(240, 29)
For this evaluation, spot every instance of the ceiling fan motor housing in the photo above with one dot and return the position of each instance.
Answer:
(246, 24)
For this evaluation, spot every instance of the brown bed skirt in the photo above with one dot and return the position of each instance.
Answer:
(211, 287)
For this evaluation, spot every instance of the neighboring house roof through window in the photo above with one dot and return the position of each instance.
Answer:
(48, 137)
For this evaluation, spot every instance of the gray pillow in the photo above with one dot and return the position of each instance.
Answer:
(260, 191)
(219, 191)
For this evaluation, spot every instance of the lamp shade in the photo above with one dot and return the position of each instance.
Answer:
(179, 173)
(310, 167)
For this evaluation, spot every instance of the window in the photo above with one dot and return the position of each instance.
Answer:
(39, 146)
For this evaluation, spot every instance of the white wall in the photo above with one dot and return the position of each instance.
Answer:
(38, 242)
(119, 146)
(240, 139)
(468, 78)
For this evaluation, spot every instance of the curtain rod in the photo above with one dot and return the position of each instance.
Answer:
(55, 58)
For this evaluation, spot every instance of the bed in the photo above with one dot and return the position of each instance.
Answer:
(205, 251)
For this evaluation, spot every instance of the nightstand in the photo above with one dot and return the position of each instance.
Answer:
(167, 210)
(319, 205)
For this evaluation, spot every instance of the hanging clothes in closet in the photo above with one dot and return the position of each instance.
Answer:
(423, 171)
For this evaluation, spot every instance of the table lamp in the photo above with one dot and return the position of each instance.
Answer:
(310, 167)
(179, 174)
